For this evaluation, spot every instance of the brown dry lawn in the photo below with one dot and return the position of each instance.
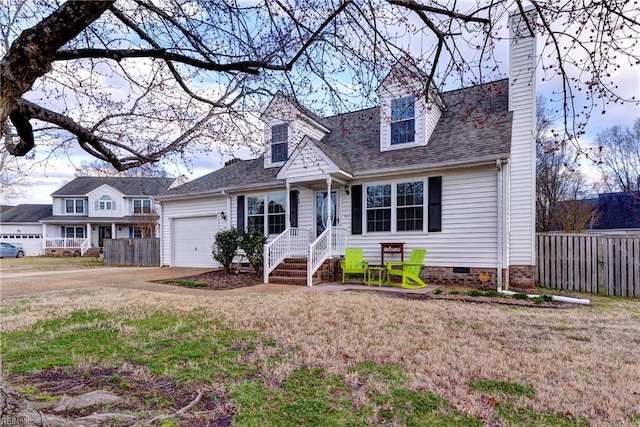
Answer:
(582, 361)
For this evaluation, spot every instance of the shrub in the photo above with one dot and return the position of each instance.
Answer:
(252, 243)
(225, 248)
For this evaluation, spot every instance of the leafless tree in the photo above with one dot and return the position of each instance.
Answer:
(99, 167)
(131, 82)
(620, 158)
(558, 176)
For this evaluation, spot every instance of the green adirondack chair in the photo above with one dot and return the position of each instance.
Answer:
(353, 264)
(409, 271)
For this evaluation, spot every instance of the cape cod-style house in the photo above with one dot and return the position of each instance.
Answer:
(450, 172)
(88, 210)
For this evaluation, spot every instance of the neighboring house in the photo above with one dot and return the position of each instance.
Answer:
(453, 173)
(20, 225)
(610, 212)
(88, 210)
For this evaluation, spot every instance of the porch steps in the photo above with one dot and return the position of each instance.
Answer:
(293, 271)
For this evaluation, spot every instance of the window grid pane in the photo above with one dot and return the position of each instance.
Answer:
(276, 213)
(255, 214)
(279, 135)
(379, 208)
(409, 203)
(403, 120)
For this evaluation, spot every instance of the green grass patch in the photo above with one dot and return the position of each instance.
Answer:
(312, 397)
(186, 283)
(185, 348)
(507, 388)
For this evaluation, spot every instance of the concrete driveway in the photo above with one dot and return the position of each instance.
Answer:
(30, 283)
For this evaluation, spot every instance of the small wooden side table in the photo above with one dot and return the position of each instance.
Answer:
(391, 249)
(375, 276)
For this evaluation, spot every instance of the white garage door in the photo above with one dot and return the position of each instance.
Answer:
(192, 239)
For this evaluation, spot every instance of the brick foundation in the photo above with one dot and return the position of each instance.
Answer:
(445, 276)
(521, 276)
(62, 252)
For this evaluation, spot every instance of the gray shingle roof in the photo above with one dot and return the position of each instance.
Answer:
(129, 186)
(26, 213)
(245, 173)
(475, 125)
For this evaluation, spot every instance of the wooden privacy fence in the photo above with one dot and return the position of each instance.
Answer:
(140, 252)
(608, 264)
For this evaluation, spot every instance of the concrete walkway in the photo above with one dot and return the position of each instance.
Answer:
(142, 278)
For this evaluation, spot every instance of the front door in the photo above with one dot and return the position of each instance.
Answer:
(103, 233)
(324, 205)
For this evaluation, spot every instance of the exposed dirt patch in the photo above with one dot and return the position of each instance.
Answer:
(218, 280)
(144, 395)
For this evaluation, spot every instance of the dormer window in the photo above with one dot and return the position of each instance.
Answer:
(279, 134)
(403, 123)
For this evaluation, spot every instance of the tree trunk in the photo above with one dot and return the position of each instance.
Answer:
(32, 53)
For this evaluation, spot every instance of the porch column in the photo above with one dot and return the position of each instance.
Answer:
(329, 218)
(287, 213)
(113, 230)
(44, 238)
(89, 233)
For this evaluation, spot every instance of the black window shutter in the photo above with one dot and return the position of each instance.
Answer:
(356, 209)
(293, 208)
(241, 214)
(435, 204)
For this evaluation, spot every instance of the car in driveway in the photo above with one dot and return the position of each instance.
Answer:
(7, 250)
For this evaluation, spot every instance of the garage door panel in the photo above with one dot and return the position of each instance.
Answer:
(192, 239)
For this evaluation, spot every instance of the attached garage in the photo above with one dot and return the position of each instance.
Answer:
(192, 239)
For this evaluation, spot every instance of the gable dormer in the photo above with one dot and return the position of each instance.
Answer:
(407, 115)
(285, 124)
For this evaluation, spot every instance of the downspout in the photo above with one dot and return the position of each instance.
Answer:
(500, 226)
(500, 248)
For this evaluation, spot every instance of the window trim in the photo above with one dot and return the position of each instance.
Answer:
(105, 203)
(133, 204)
(75, 229)
(394, 205)
(411, 103)
(75, 206)
(265, 198)
(276, 131)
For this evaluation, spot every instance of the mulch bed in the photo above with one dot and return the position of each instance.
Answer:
(218, 280)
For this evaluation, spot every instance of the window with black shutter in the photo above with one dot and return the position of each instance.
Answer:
(435, 204)
(241, 214)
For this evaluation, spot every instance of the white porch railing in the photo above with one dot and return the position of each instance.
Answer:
(331, 242)
(67, 243)
(292, 241)
(319, 251)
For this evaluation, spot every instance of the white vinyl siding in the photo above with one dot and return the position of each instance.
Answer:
(469, 231)
(522, 101)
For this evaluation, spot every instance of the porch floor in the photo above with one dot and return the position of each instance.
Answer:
(338, 286)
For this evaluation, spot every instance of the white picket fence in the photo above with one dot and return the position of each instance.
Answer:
(607, 264)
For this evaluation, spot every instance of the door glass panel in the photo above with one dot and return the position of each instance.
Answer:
(323, 205)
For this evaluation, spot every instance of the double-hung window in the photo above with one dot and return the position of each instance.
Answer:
(255, 214)
(276, 213)
(274, 216)
(410, 206)
(403, 123)
(279, 134)
(74, 206)
(142, 206)
(74, 232)
(106, 204)
(379, 207)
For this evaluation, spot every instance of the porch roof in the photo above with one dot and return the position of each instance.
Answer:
(68, 219)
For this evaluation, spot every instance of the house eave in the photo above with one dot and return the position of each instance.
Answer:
(485, 161)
